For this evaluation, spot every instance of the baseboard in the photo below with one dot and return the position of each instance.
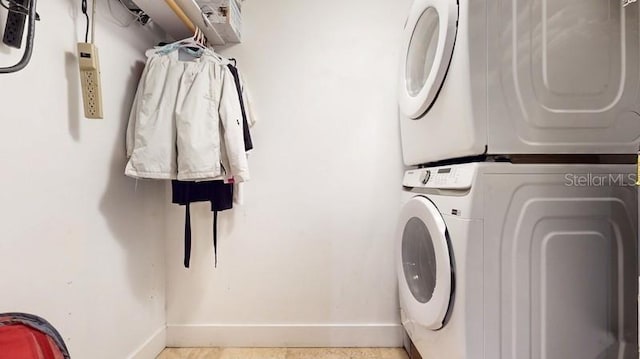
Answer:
(285, 335)
(152, 347)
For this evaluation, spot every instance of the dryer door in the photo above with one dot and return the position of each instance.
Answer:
(429, 36)
(424, 265)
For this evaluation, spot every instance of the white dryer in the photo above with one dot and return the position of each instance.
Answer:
(519, 77)
(504, 261)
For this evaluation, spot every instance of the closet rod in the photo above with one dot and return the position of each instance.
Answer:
(180, 13)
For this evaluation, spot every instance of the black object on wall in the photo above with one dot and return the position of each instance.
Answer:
(15, 37)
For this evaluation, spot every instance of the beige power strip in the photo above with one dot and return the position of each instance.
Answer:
(90, 79)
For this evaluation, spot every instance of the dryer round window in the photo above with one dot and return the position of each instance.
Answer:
(429, 37)
(422, 50)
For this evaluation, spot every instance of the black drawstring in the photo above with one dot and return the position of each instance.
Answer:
(215, 239)
(187, 226)
(187, 236)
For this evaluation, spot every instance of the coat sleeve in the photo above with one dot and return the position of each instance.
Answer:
(231, 121)
(135, 110)
(248, 105)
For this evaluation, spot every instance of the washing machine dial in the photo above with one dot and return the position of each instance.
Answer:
(425, 177)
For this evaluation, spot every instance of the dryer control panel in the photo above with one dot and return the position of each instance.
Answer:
(456, 177)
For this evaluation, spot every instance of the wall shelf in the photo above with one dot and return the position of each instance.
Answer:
(161, 13)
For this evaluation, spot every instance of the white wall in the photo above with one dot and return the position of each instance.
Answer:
(309, 259)
(78, 244)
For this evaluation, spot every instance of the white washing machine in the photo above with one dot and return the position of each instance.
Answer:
(504, 261)
(519, 77)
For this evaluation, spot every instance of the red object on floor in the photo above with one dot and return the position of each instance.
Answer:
(22, 342)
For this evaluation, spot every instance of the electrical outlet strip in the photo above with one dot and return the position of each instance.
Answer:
(14, 28)
(90, 78)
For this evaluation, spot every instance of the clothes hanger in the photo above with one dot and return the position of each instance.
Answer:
(202, 39)
(195, 44)
(198, 36)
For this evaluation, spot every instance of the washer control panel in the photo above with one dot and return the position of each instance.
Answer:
(458, 177)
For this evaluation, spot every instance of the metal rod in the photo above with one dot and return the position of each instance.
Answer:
(180, 13)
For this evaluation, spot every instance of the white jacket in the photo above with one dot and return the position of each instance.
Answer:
(186, 122)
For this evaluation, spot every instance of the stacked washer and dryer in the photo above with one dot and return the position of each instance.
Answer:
(520, 121)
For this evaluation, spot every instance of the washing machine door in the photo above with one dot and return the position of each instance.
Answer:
(429, 37)
(424, 265)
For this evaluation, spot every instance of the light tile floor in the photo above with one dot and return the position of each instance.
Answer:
(283, 353)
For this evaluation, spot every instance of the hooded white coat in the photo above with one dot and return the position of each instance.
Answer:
(186, 122)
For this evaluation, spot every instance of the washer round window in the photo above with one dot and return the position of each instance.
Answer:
(422, 50)
(419, 260)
